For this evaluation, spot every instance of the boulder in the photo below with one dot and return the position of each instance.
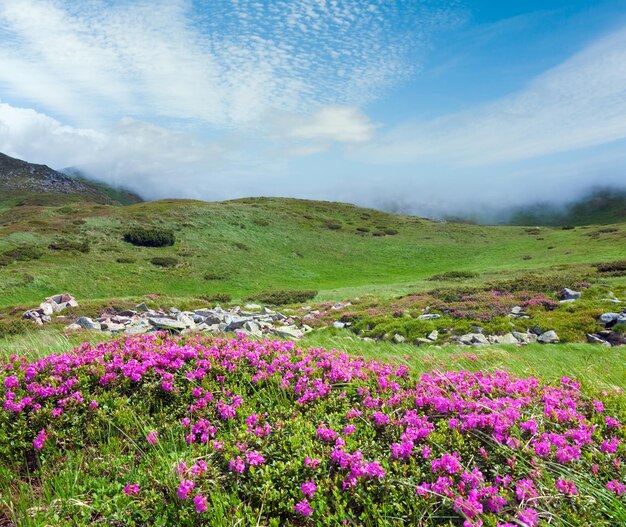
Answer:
(567, 294)
(167, 323)
(420, 341)
(288, 332)
(399, 339)
(524, 338)
(429, 316)
(339, 325)
(516, 310)
(73, 327)
(548, 337)
(508, 338)
(433, 335)
(595, 339)
(87, 323)
(142, 308)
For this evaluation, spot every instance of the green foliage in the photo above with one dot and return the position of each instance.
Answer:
(547, 283)
(390, 232)
(363, 229)
(125, 260)
(618, 266)
(284, 296)
(70, 245)
(23, 253)
(14, 326)
(333, 226)
(149, 237)
(220, 298)
(164, 261)
(453, 275)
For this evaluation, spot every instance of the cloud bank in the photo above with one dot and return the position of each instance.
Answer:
(230, 98)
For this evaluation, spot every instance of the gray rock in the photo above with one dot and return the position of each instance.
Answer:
(46, 308)
(569, 294)
(508, 338)
(595, 339)
(288, 332)
(254, 307)
(142, 308)
(516, 310)
(73, 327)
(524, 338)
(188, 321)
(339, 325)
(480, 339)
(87, 323)
(252, 328)
(167, 323)
(399, 339)
(420, 341)
(136, 330)
(548, 337)
(433, 335)
(429, 316)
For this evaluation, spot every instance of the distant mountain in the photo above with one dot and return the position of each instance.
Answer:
(31, 184)
(600, 206)
(117, 194)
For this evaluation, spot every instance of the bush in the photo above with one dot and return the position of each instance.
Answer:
(261, 222)
(69, 245)
(149, 237)
(332, 226)
(378, 233)
(453, 275)
(221, 298)
(164, 261)
(363, 229)
(22, 253)
(391, 232)
(215, 276)
(15, 327)
(611, 267)
(568, 227)
(285, 296)
(125, 260)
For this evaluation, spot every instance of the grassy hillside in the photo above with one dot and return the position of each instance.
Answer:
(250, 245)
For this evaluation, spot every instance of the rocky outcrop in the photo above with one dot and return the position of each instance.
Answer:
(50, 306)
(142, 319)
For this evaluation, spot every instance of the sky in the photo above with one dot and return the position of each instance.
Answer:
(429, 107)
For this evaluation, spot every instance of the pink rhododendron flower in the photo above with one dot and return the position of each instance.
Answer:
(200, 503)
(185, 488)
(303, 508)
(153, 437)
(309, 488)
(131, 489)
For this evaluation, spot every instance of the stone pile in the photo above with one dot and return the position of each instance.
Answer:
(51, 305)
(515, 337)
(253, 321)
(609, 337)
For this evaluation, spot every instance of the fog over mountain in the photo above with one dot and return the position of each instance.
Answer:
(432, 108)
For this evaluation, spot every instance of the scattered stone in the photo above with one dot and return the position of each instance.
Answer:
(508, 338)
(420, 341)
(339, 325)
(433, 335)
(289, 332)
(595, 339)
(87, 323)
(73, 327)
(429, 316)
(548, 337)
(567, 295)
(143, 308)
(167, 323)
(516, 310)
(399, 339)
(524, 338)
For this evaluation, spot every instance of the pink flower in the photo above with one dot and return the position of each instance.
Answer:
(312, 463)
(11, 382)
(616, 486)
(254, 458)
(303, 508)
(200, 502)
(153, 437)
(528, 517)
(237, 465)
(131, 489)
(309, 488)
(566, 487)
(185, 487)
(39, 441)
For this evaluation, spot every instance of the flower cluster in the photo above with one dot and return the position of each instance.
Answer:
(273, 424)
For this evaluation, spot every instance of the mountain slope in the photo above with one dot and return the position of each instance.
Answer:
(32, 184)
(117, 194)
(250, 245)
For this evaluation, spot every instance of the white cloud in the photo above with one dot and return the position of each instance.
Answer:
(342, 124)
(223, 65)
(579, 104)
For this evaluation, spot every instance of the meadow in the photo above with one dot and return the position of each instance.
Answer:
(343, 427)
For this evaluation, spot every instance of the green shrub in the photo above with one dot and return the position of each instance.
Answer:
(215, 276)
(149, 237)
(332, 225)
(261, 222)
(285, 296)
(568, 227)
(125, 260)
(378, 233)
(537, 282)
(164, 261)
(69, 245)
(22, 253)
(611, 267)
(620, 328)
(15, 327)
(391, 232)
(221, 298)
(363, 229)
(453, 275)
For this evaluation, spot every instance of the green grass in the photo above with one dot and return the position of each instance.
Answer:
(255, 245)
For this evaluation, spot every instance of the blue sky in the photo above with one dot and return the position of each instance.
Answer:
(431, 107)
